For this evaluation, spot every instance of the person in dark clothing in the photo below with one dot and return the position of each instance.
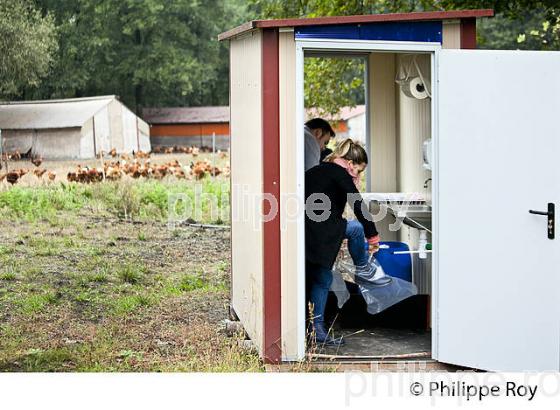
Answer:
(329, 186)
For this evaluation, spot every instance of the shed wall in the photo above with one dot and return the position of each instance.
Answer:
(56, 143)
(291, 307)
(87, 146)
(247, 183)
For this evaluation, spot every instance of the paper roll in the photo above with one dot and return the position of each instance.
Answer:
(414, 88)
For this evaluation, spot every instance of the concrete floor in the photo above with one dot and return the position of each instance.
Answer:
(381, 342)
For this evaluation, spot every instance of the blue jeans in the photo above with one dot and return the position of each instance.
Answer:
(356, 242)
(320, 278)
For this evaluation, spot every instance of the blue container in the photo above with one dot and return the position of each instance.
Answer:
(398, 266)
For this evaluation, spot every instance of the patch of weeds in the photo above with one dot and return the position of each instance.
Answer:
(99, 277)
(222, 266)
(131, 273)
(68, 242)
(44, 246)
(128, 304)
(4, 250)
(36, 303)
(10, 271)
(39, 360)
(97, 251)
(82, 297)
(8, 276)
(176, 233)
(141, 236)
(190, 282)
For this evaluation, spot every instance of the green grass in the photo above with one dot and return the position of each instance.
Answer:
(131, 273)
(137, 199)
(32, 304)
(192, 282)
(131, 303)
(8, 276)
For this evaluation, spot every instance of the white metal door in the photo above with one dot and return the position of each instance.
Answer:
(497, 157)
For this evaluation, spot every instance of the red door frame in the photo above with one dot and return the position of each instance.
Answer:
(272, 334)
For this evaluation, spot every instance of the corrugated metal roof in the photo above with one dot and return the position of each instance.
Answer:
(44, 114)
(367, 18)
(186, 115)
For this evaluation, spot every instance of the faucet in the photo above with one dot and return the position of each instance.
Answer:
(426, 183)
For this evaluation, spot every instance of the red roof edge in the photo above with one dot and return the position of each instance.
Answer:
(367, 18)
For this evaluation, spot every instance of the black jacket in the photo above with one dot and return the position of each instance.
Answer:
(324, 238)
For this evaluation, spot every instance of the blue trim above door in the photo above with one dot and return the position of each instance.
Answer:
(421, 31)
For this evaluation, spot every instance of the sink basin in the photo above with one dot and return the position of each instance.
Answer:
(412, 211)
(415, 216)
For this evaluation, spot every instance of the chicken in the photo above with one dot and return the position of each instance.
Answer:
(37, 161)
(141, 154)
(51, 175)
(14, 176)
(113, 152)
(39, 172)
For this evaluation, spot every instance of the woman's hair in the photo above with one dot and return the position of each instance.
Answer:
(350, 151)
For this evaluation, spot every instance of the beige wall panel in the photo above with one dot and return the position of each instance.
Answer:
(86, 140)
(102, 130)
(451, 35)
(247, 182)
(61, 143)
(288, 192)
(382, 121)
(115, 109)
(383, 130)
(17, 140)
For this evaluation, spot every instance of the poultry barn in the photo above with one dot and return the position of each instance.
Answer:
(76, 128)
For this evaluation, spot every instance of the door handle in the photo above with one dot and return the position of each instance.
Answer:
(551, 218)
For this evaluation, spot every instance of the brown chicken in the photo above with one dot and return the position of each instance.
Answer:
(37, 161)
(39, 172)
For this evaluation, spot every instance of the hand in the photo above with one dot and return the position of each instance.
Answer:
(373, 243)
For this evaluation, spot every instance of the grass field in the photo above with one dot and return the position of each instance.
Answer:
(92, 278)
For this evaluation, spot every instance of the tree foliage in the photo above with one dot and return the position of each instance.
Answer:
(27, 45)
(150, 52)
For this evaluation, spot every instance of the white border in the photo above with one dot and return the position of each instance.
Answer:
(309, 44)
(300, 186)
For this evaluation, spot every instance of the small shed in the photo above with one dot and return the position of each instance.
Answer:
(74, 128)
(349, 122)
(188, 126)
(489, 182)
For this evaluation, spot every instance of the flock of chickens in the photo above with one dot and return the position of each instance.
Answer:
(137, 165)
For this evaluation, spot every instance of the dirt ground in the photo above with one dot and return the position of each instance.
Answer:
(110, 295)
(88, 291)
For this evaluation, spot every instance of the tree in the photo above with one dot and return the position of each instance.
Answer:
(27, 46)
(150, 52)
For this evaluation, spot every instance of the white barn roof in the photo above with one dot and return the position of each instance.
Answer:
(44, 114)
